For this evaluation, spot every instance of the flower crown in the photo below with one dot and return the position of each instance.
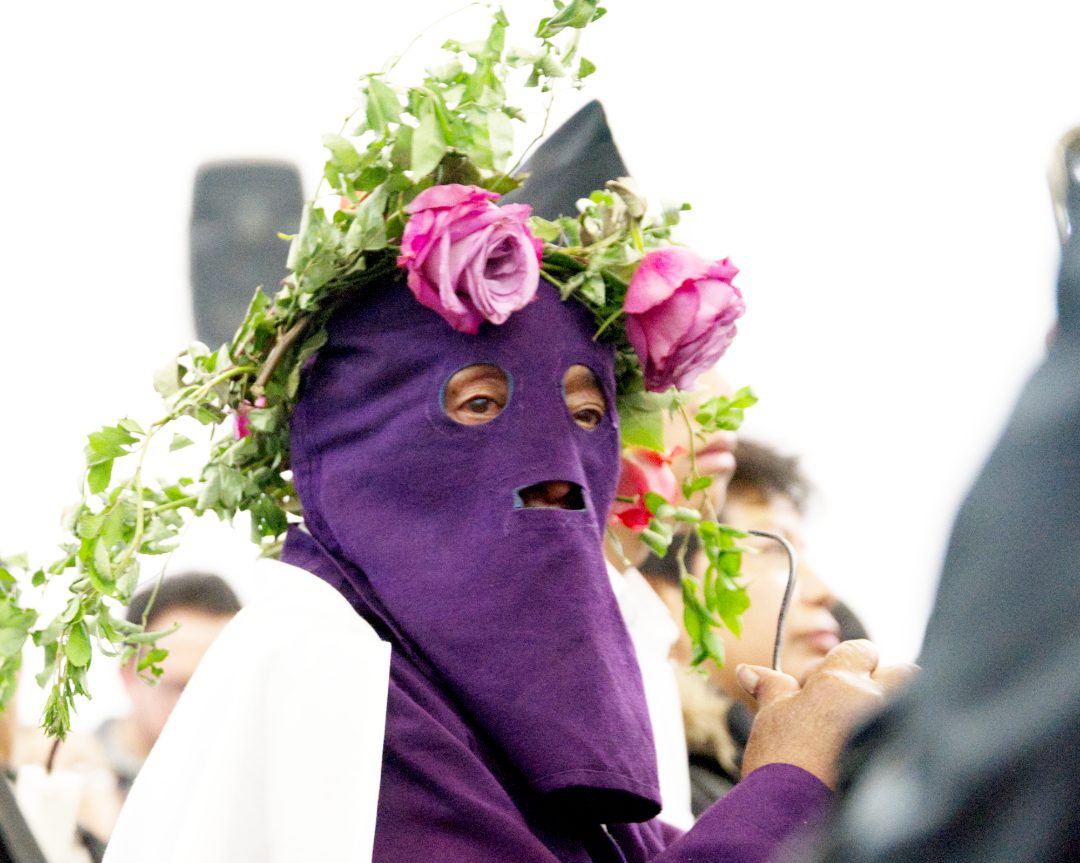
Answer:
(416, 173)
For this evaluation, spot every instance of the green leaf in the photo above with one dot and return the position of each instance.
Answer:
(109, 443)
(267, 519)
(383, 106)
(501, 136)
(654, 501)
(428, 142)
(658, 543)
(496, 39)
(585, 68)
(77, 647)
(343, 153)
(102, 562)
(571, 229)
(167, 379)
(371, 177)
(266, 420)
(98, 476)
(180, 441)
(725, 413)
(576, 14)
(692, 486)
(368, 228)
(151, 658)
(401, 153)
(641, 420)
(594, 290)
(547, 231)
(15, 624)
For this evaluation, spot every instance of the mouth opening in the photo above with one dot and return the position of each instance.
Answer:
(553, 494)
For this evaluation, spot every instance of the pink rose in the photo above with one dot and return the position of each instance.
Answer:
(641, 471)
(680, 315)
(468, 259)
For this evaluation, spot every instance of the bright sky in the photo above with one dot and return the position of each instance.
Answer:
(877, 173)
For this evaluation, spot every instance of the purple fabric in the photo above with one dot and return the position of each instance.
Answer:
(506, 611)
(750, 822)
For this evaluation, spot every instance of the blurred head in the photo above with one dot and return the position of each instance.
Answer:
(766, 493)
(201, 605)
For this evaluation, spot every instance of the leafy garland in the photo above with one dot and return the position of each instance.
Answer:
(455, 127)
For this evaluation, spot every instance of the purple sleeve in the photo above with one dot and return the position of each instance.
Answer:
(748, 823)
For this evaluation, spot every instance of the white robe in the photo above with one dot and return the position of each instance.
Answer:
(274, 752)
(654, 633)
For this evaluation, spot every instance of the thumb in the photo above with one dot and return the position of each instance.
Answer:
(764, 684)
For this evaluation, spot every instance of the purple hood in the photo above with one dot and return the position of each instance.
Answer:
(505, 610)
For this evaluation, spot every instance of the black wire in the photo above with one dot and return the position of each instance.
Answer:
(788, 591)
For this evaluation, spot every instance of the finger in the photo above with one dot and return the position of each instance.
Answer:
(858, 655)
(892, 677)
(764, 684)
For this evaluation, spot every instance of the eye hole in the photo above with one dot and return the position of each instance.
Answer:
(583, 397)
(476, 394)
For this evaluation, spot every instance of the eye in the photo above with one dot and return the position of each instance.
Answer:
(588, 418)
(583, 397)
(476, 394)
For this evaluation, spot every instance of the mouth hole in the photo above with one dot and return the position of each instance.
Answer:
(553, 494)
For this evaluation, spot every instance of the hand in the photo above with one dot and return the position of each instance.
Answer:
(807, 726)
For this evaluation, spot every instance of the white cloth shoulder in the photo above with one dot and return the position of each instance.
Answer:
(654, 633)
(274, 751)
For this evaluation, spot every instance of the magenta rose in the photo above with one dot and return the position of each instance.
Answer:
(468, 259)
(680, 315)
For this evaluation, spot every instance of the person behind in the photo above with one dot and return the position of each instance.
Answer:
(767, 492)
(199, 605)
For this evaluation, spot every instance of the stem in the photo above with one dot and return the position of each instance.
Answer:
(532, 143)
(561, 285)
(51, 760)
(140, 504)
(173, 504)
(607, 323)
(283, 344)
(153, 597)
(706, 500)
(389, 67)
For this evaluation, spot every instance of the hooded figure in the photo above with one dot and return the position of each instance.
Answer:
(515, 726)
(475, 550)
(455, 491)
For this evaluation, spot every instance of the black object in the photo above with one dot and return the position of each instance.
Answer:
(17, 844)
(239, 209)
(578, 158)
(980, 761)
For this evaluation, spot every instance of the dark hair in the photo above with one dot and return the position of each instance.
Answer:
(199, 591)
(760, 467)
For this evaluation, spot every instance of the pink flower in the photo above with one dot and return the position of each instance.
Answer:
(241, 425)
(468, 259)
(680, 315)
(641, 471)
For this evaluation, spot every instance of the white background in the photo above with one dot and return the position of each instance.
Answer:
(877, 171)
